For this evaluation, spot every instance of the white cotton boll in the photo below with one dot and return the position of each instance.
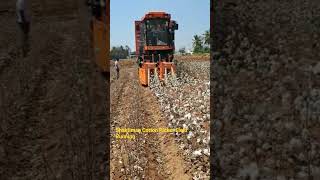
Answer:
(206, 152)
(181, 146)
(190, 135)
(185, 126)
(187, 116)
(197, 153)
(203, 131)
(205, 141)
(136, 167)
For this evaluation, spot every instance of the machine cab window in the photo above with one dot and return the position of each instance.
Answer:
(157, 32)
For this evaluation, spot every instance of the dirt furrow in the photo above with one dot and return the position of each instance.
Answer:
(149, 155)
(174, 164)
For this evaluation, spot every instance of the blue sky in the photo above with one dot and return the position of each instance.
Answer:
(192, 16)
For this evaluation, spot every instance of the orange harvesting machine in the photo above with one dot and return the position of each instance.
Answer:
(154, 39)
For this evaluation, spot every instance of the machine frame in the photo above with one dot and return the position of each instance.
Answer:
(153, 58)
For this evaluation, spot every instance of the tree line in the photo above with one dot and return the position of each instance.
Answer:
(120, 52)
(200, 44)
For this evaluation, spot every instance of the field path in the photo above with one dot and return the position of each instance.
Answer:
(149, 155)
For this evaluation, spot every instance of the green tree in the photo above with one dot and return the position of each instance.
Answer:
(120, 52)
(128, 50)
(206, 38)
(207, 41)
(201, 43)
(197, 44)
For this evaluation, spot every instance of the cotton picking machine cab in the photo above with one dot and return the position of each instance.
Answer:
(154, 37)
